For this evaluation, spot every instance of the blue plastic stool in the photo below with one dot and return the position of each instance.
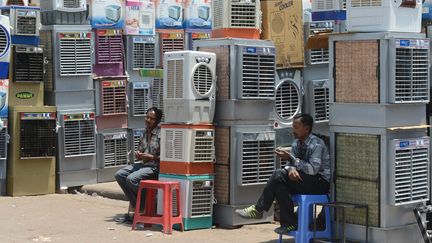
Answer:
(304, 212)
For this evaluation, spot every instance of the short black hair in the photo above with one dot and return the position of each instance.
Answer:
(158, 113)
(305, 119)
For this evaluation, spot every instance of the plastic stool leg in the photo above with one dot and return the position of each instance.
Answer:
(138, 202)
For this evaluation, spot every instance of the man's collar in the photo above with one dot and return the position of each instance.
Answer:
(307, 140)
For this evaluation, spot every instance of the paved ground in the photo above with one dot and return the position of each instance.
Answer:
(91, 218)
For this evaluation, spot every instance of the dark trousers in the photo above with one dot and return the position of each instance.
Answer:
(129, 178)
(279, 186)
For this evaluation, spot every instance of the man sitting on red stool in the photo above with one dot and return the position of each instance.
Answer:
(308, 172)
(148, 152)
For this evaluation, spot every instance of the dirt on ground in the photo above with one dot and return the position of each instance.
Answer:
(77, 218)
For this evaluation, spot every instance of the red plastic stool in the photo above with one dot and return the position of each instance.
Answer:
(167, 220)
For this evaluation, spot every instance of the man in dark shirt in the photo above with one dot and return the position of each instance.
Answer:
(308, 172)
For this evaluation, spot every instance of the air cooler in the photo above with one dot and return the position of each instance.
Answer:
(112, 153)
(384, 15)
(187, 149)
(390, 172)
(109, 52)
(393, 80)
(4, 140)
(25, 24)
(33, 148)
(111, 103)
(62, 12)
(195, 34)
(76, 158)
(316, 100)
(113, 13)
(69, 71)
(196, 199)
(5, 46)
(189, 86)
(242, 14)
(328, 10)
(139, 102)
(169, 40)
(28, 64)
(288, 97)
(141, 54)
(244, 162)
(246, 79)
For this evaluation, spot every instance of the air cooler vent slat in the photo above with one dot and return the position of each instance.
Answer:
(79, 138)
(143, 55)
(3, 143)
(202, 80)
(243, 15)
(114, 99)
(115, 152)
(26, 22)
(75, 56)
(140, 101)
(257, 161)
(72, 3)
(28, 67)
(174, 79)
(157, 94)
(287, 103)
(258, 76)
(202, 199)
(38, 138)
(3, 41)
(109, 49)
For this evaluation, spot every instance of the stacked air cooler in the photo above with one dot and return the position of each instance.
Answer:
(244, 136)
(315, 72)
(111, 82)
(379, 87)
(31, 160)
(5, 50)
(68, 39)
(187, 137)
(239, 19)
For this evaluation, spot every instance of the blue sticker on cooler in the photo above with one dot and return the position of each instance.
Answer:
(404, 42)
(251, 49)
(404, 144)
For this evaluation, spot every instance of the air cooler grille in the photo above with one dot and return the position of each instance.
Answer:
(257, 162)
(157, 94)
(321, 103)
(114, 99)
(143, 55)
(411, 175)
(174, 144)
(366, 3)
(28, 67)
(202, 79)
(318, 56)
(324, 4)
(287, 101)
(26, 24)
(140, 101)
(79, 138)
(202, 198)
(243, 15)
(15, 2)
(258, 76)
(109, 49)
(175, 80)
(4, 41)
(217, 12)
(412, 75)
(172, 44)
(204, 146)
(3, 143)
(75, 56)
(71, 3)
(38, 138)
(115, 152)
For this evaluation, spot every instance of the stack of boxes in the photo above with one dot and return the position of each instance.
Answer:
(31, 161)
(67, 40)
(187, 137)
(379, 87)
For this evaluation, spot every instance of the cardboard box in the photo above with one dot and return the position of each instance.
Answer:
(169, 14)
(140, 17)
(198, 14)
(283, 24)
(107, 14)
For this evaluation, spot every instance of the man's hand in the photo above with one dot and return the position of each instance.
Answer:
(143, 156)
(284, 154)
(294, 175)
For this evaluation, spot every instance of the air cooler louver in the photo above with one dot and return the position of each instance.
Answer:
(288, 97)
(4, 139)
(140, 98)
(144, 53)
(75, 54)
(38, 135)
(236, 14)
(115, 150)
(28, 64)
(109, 47)
(317, 100)
(113, 97)
(79, 134)
(171, 42)
(5, 46)
(157, 94)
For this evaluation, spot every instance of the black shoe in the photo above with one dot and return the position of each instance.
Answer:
(285, 229)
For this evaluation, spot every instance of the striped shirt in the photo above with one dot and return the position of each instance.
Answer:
(312, 157)
(152, 146)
